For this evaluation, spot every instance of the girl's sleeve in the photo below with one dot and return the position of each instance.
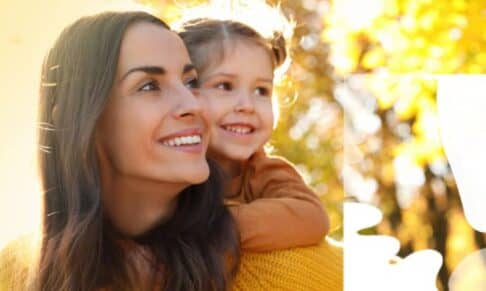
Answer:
(282, 211)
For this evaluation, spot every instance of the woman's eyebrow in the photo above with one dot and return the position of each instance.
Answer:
(155, 70)
(152, 70)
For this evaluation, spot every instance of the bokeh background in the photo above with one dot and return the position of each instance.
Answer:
(359, 117)
(358, 108)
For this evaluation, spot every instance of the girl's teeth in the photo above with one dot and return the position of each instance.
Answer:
(185, 140)
(240, 130)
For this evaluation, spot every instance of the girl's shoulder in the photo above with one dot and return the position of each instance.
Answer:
(262, 157)
(261, 162)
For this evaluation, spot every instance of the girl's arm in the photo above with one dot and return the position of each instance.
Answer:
(282, 212)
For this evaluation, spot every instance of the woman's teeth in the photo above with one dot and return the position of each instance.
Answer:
(238, 129)
(184, 140)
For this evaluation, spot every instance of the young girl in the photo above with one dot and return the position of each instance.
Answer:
(272, 205)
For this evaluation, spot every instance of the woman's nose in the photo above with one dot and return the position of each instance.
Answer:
(189, 103)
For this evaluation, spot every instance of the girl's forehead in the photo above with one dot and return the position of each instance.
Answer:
(238, 55)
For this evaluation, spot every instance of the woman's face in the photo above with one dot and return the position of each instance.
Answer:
(153, 127)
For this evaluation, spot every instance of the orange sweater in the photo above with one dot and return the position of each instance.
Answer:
(273, 207)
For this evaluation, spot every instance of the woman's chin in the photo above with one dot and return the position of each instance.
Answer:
(197, 174)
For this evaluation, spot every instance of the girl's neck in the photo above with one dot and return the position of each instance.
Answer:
(233, 168)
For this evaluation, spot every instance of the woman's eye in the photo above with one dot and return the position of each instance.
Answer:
(226, 86)
(193, 83)
(262, 91)
(150, 86)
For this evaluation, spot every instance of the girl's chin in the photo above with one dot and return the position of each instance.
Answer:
(239, 153)
(234, 157)
(242, 156)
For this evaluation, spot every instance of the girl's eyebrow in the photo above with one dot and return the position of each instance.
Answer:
(228, 75)
(218, 74)
(265, 80)
(155, 70)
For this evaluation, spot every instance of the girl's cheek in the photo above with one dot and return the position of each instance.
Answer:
(211, 111)
(205, 115)
(205, 101)
(204, 105)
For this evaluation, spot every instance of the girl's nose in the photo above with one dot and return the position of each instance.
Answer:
(245, 103)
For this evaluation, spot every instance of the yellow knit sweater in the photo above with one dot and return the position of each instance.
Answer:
(317, 268)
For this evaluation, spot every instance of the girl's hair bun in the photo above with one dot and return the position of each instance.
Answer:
(279, 48)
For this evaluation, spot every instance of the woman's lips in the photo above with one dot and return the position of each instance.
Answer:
(187, 140)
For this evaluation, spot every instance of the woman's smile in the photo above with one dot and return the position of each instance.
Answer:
(188, 140)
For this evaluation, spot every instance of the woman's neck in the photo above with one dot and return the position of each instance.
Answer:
(135, 205)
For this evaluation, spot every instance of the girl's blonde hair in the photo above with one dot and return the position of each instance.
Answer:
(210, 31)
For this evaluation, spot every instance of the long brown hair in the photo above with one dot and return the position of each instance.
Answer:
(77, 250)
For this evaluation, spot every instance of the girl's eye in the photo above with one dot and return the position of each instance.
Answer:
(226, 86)
(150, 86)
(193, 83)
(262, 91)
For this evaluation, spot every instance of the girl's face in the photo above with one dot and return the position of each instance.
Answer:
(239, 99)
(153, 128)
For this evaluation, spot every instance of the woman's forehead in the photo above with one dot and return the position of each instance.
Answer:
(151, 44)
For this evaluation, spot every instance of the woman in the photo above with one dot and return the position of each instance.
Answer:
(128, 204)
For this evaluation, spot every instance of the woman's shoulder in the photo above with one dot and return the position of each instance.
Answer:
(16, 259)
